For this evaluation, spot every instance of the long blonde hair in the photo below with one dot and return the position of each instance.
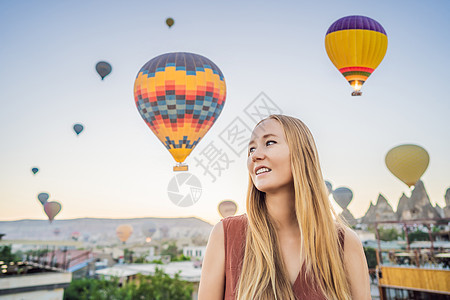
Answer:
(264, 275)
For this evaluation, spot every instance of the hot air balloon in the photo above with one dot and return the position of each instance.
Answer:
(78, 128)
(180, 96)
(407, 163)
(52, 209)
(356, 45)
(329, 187)
(148, 230)
(103, 69)
(124, 231)
(75, 235)
(34, 170)
(343, 196)
(170, 22)
(43, 197)
(227, 208)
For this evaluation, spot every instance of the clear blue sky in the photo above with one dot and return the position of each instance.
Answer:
(117, 168)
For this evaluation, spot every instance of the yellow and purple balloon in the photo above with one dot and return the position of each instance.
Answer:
(356, 45)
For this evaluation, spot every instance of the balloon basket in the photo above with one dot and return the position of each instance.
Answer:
(356, 93)
(180, 167)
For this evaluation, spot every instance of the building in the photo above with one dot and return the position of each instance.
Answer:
(194, 252)
(32, 282)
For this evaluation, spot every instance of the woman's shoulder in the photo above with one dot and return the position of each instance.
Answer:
(234, 222)
(352, 241)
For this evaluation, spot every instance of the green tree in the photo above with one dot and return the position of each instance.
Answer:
(181, 257)
(171, 250)
(418, 235)
(6, 254)
(390, 234)
(371, 257)
(160, 286)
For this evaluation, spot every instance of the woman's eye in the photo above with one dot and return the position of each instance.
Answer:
(270, 143)
(251, 150)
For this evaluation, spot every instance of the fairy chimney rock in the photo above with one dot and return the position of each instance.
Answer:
(347, 216)
(419, 205)
(382, 211)
(402, 206)
(447, 204)
(368, 216)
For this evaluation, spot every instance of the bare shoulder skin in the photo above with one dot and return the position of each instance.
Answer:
(212, 282)
(356, 266)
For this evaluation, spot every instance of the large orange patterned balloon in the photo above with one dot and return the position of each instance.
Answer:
(180, 96)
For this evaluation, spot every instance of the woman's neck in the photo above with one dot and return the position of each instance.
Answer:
(281, 208)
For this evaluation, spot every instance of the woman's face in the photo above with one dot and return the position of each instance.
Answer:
(268, 159)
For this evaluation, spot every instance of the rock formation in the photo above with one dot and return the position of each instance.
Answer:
(347, 216)
(402, 205)
(418, 206)
(369, 214)
(440, 211)
(447, 204)
(381, 211)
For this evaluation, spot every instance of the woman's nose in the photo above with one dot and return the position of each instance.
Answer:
(257, 155)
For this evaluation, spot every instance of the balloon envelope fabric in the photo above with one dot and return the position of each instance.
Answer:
(356, 45)
(407, 162)
(180, 96)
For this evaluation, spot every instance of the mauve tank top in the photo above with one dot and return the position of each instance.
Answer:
(235, 229)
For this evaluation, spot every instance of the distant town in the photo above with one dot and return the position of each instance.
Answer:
(119, 252)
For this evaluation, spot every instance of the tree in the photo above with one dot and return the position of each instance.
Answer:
(390, 234)
(160, 286)
(7, 256)
(418, 235)
(171, 250)
(371, 257)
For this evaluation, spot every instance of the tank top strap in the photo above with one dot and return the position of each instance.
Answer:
(235, 231)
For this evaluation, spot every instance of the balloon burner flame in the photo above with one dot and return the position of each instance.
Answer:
(357, 86)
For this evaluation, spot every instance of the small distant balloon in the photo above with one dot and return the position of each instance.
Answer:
(343, 196)
(329, 187)
(170, 22)
(57, 231)
(78, 128)
(43, 197)
(103, 69)
(227, 208)
(75, 235)
(52, 209)
(34, 170)
(124, 231)
(149, 229)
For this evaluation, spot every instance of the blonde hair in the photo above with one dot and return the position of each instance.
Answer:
(264, 275)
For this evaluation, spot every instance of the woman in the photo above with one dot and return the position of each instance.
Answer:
(291, 244)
